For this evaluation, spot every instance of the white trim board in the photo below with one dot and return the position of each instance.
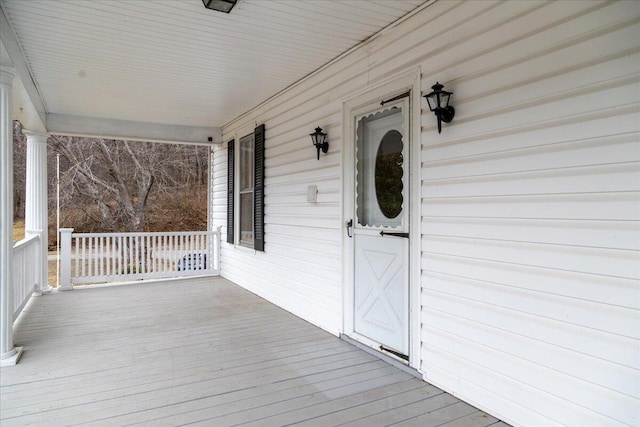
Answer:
(407, 80)
(94, 127)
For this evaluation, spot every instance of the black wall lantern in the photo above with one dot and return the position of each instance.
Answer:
(438, 101)
(219, 5)
(319, 139)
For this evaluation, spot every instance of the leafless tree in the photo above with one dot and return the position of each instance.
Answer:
(117, 178)
(19, 169)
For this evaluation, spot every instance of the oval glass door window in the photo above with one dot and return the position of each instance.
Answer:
(388, 174)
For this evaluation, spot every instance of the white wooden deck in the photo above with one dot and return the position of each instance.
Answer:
(202, 351)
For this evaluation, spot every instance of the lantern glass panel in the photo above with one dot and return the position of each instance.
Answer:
(432, 101)
(318, 137)
(445, 99)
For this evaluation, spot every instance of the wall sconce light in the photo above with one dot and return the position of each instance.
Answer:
(319, 139)
(438, 101)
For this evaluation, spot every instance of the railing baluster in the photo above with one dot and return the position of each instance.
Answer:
(197, 249)
(106, 258)
(84, 254)
(97, 241)
(116, 254)
(130, 258)
(86, 260)
(101, 258)
(185, 244)
(153, 256)
(173, 251)
(94, 246)
(122, 254)
(109, 255)
(140, 254)
(96, 256)
(112, 245)
(139, 259)
(136, 246)
(75, 252)
(164, 244)
(90, 256)
(167, 253)
(147, 249)
(206, 250)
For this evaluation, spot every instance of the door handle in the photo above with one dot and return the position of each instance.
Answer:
(349, 226)
(405, 235)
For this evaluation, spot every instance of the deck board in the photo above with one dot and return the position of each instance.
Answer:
(201, 351)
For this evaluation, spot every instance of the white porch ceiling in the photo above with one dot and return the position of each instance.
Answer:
(175, 62)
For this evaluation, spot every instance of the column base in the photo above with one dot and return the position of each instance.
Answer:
(46, 290)
(68, 287)
(13, 359)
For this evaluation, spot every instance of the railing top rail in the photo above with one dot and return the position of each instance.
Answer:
(26, 241)
(155, 233)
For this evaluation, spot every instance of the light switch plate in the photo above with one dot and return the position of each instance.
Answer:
(312, 193)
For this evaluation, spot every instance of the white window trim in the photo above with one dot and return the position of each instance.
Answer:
(239, 134)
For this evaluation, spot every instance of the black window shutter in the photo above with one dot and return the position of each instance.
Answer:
(230, 192)
(258, 190)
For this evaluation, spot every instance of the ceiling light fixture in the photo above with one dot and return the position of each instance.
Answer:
(220, 5)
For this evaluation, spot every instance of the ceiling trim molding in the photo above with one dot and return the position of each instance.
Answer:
(13, 49)
(93, 127)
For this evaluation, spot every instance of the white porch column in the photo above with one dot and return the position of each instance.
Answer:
(9, 354)
(36, 207)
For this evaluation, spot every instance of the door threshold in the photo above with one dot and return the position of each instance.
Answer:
(392, 360)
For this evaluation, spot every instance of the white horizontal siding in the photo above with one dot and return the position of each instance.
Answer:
(530, 203)
(300, 268)
(531, 209)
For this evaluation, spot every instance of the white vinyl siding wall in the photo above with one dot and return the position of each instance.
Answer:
(530, 203)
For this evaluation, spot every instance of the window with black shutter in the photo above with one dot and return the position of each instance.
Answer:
(247, 201)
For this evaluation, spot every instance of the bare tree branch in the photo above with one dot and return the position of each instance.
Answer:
(119, 178)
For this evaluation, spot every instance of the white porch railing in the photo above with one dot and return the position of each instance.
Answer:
(26, 259)
(118, 257)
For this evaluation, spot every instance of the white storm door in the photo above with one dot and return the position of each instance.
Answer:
(381, 229)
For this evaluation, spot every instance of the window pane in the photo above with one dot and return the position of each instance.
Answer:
(246, 190)
(246, 163)
(388, 174)
(380, 175)
(246, 219)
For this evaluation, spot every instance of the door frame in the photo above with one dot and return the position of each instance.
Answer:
(372, 93)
